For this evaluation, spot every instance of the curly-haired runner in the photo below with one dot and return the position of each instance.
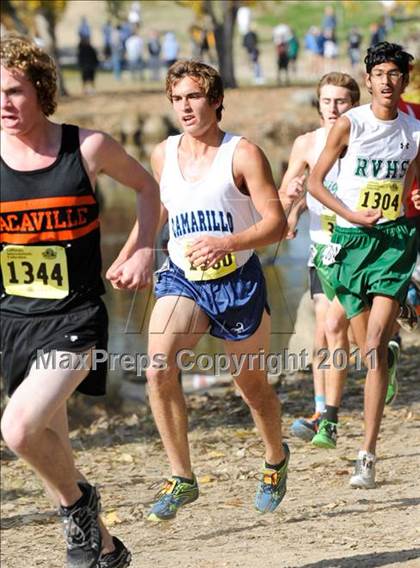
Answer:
(52, 314)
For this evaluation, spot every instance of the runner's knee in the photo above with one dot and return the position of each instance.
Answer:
(255, 392)
(18, 431)
(334, 328)
(161, 378)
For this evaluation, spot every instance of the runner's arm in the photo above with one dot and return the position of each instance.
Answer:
(337, 142)
(291, 186)
(103, 154)
(413, 172)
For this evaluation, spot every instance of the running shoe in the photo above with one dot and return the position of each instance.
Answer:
(364, 471)
(306, 428)
(272, 487)
(407, 318)
(326, 437)
(392, 390)
(174, 494)
(118, 558)
(81, 530)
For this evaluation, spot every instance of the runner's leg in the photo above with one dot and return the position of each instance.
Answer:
(257, 393)
(176, 323)
(25, 426)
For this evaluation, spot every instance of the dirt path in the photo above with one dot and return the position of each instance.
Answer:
(322, 523)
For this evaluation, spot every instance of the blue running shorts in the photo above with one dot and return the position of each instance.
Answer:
(234, 303)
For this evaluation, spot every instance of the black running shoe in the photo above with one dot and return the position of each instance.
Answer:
(118, 558)
(81, 530)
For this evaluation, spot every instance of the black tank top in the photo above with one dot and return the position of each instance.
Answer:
(53, 208)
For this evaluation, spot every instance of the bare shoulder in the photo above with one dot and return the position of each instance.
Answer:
(94, 141)
(157, 158)
(247, 152)
(158, 154)
(305, 142)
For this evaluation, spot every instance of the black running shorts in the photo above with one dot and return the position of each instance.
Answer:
(75, 331)
(315, 285)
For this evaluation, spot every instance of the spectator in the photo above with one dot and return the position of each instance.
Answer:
(134, 52)
(330, 49)
(170, 49)
(117, 52)
(154, 48)
(377, 33)
(134, 15)
(84, 29)
(250, 43)
(107, 40)
(329, 23)
(354, 42)
(196, 38)
(293, 51)
(88, 62)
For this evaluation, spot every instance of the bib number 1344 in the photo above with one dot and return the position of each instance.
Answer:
(35, 271)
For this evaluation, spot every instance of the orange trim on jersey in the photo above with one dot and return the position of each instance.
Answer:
(67, 235)
(45, 203)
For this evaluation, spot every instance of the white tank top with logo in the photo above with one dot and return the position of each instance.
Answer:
(212, 205)
(321, 219)
(374, 167)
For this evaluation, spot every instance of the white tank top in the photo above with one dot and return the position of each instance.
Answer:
(373, 170)
(212, 205)
(321, 219)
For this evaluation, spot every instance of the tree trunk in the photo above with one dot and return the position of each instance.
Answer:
(50, 22)
(223, 34)
(9, 10)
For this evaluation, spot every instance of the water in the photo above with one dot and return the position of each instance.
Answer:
(284, 268)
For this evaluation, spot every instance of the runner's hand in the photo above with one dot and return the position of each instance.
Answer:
(415, 197)
(295, 188)
(112, 270)
(366, 218)
(135, 273)
(206, 251)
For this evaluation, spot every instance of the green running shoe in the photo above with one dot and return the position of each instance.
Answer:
(392, 390)
(272, 487)
(174, 494)
(326, 437)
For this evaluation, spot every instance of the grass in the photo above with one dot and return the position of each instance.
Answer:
(300, 15)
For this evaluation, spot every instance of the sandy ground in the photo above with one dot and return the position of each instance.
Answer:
(322, 522)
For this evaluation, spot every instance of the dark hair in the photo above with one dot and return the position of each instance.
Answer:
(383, 52)
(208, 78)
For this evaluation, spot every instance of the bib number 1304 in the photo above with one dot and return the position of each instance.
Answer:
(384, 195)
(35, 271)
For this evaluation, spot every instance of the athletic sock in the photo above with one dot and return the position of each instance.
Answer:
(331, 413)
(390, 358)
(184, 479)
(319, 403)
(81, 502)
(276, 466)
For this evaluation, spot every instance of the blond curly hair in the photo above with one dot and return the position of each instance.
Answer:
(19, 52)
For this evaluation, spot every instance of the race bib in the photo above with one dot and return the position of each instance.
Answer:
(384, 195)
(328, 221)
(221, 268)
(35, 271)
(330, 253)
